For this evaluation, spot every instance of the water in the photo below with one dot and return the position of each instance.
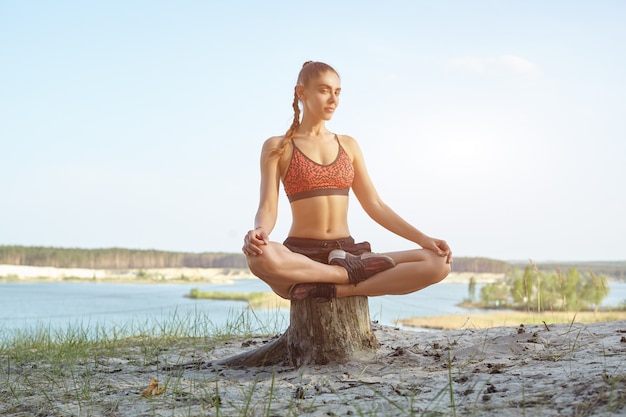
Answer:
(118, 306)
(109, 306)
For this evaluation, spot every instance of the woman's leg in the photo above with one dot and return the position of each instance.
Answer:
(281, 268)
(414, 270)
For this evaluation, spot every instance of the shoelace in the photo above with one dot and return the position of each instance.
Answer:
(355, 267)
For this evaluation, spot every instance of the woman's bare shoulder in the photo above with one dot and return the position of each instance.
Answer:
(273, 144)
(276, 151)
(347, 139)
(349, 143)
(273, 141)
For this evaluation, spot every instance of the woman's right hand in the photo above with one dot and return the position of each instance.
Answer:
(253, 241)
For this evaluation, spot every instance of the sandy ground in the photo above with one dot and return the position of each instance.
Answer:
(546, 370)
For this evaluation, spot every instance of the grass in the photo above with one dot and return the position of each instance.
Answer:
(69, 370)
(73, 372)
(256, 300)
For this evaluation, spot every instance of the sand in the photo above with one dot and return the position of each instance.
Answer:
(538, 370)
(171, 275)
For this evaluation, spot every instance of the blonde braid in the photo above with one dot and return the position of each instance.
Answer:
(294, 125)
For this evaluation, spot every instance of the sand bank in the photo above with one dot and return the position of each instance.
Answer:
(534, 370)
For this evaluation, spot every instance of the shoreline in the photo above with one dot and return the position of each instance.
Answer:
(497, 318)
(24, 273)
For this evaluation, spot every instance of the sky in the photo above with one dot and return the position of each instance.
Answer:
(498, 126)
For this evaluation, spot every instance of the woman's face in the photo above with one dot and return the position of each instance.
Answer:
(320, 97)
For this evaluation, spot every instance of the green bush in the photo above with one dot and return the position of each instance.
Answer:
(535, 290)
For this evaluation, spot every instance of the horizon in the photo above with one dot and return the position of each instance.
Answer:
(495, 126)
(512, 261)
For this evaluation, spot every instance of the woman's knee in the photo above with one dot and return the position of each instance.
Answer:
(439, 268)
(445, 270)
(265, 263)
(260, 265)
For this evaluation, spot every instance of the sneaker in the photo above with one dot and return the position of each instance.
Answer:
(312, 290)
(361, 267)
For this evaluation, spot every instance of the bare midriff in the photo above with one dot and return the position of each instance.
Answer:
(322, 217)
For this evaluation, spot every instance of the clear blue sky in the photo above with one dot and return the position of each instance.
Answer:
(497, 125)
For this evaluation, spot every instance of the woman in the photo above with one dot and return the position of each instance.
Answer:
(319, 258)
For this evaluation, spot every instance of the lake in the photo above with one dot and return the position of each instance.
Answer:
(125, 307)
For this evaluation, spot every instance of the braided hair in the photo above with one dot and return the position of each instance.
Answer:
(310, 70)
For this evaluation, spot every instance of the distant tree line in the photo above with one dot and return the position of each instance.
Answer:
(120, 258)
(116, 258)
(614, 269)
(480, 265)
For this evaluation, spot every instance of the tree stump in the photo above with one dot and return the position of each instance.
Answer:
(319, 333)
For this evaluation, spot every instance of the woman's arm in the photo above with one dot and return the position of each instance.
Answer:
(381, 213)
(267, 212)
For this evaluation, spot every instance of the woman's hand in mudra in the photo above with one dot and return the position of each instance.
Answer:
(253, 241)
(440, 247)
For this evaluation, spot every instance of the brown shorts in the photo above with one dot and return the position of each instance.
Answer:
(318, 250)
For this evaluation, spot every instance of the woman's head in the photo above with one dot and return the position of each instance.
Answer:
(310, 72)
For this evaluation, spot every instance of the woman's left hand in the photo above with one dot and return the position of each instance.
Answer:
(440, 247)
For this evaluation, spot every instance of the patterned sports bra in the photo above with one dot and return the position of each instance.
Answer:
(306, 178)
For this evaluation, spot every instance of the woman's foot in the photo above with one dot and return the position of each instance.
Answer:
(360, 267)
(312, 290)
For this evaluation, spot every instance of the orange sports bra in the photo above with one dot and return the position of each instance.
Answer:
(306, 178)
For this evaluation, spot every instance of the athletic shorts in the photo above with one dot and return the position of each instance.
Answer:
(318, 250)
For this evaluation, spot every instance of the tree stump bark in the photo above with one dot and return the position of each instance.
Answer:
(319, 333)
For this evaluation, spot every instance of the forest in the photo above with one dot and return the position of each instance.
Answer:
(115, 258)
(121, 258)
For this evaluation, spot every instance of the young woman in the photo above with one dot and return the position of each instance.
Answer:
(318, 168)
